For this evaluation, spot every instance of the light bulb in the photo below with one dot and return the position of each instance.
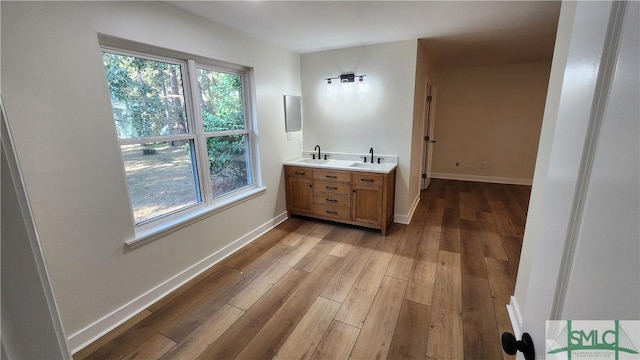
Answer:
(361, 84)
(329, 85)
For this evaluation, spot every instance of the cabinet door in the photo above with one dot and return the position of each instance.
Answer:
(366, 204)
(300, 195)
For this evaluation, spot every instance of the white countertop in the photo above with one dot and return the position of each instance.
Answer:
(384, 167)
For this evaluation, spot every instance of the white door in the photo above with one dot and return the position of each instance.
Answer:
(581, 246)
(427, 133)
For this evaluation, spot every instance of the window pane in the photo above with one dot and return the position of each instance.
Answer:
(161, 177)
(221, 100)
(228, 163)
(146, 96)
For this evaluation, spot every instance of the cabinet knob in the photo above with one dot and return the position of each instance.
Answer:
(310, 185)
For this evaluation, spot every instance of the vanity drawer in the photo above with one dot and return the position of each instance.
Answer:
(337, 212)
(332, 187)
(331, 199)
(332, 175)
(367, 179)
(299, 172)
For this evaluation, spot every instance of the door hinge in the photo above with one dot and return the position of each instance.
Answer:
(424, 176)
(429, 98)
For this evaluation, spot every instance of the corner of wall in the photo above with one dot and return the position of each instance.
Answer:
(406, 219)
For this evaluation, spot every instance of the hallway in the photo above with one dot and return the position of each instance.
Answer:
(308, 289)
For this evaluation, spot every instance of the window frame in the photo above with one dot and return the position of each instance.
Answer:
(207, 205)
(196, 93)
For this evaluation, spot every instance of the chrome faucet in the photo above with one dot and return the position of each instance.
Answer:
(318, 148)
(371, 152)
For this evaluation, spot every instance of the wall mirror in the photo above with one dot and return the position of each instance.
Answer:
(292, 113)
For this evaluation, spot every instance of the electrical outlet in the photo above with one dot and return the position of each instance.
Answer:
(483, 165)
(289, 136)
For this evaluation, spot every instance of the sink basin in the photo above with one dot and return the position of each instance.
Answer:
(363, 165)
(314, 161)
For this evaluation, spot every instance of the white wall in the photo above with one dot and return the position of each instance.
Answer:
(381, 117)
(490, 114)
(58, 107)
(31, 326)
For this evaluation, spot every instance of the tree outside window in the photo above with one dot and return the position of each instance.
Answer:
(165, 147)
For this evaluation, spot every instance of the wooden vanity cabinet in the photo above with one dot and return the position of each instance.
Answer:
(331, 194)
(299, 190)
(352, 197)
(367, 199)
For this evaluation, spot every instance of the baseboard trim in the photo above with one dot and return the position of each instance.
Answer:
(406, 219)
(89, 334)
(514, 315)
(478, 178)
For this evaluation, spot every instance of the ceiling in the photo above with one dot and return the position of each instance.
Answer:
(455, 33)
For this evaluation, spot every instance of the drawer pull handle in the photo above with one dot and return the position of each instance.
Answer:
(331, 212)
(331, 187)
(367, 180)
(332, 200)
(331, 176)
(299, 173)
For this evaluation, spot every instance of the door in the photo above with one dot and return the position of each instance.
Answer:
(580, 252)
(300, 191)
(299, 187)
(366, 204)
(427, 132)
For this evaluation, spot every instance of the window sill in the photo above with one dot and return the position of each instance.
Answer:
(148, 235)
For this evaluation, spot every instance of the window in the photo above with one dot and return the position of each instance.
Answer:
(179, 153)
(225, 130)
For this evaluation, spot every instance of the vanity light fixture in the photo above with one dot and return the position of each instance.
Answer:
(347, 81)
(329, 85)
(361, 85)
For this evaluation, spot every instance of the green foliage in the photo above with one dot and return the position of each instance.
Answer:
(221, 100)
(146, 96)
(147, 100)
(227, 163)
(223, 110)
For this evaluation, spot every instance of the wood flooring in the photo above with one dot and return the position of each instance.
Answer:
(435, 289)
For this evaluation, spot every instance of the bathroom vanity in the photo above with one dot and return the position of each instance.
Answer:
(345, 191)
